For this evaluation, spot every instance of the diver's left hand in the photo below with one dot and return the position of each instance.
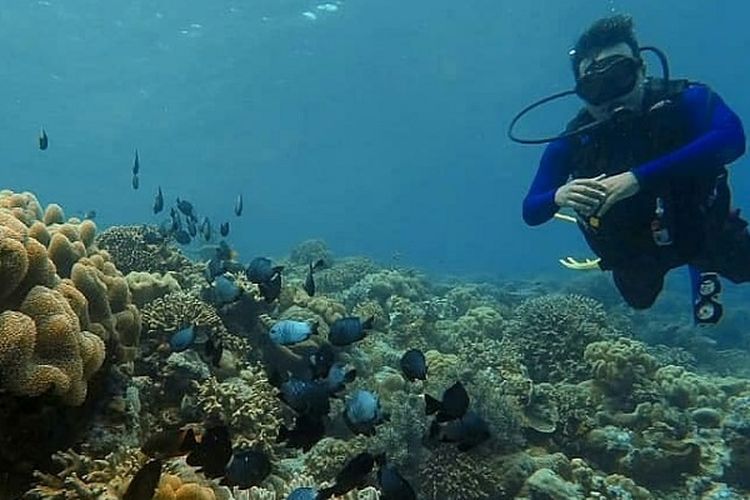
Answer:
(619, 187)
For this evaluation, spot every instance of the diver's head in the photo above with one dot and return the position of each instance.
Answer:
(608, 69)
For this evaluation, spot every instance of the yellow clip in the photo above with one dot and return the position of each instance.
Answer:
(586, 265)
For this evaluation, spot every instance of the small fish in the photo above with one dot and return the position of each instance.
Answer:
(353, 475)
(261, 270)
(192, 229)
(271, 290)
(182, 339)
(158, 201)
(153, 238)
(206, 230)
(238, 206)
(212, 454)
(169, 443)
(224, 290)
(392, 485)
(346, 331)
(214, 349)
(338, 376)
(224, 229)
(144, 483)
(414, 365)
(454, 405)
(185, 207)
(307, 431)
(223, 251)
(182, 237)
(309, 285)
(305, 397)
(135, 181)
(290, 332)
(362, 412)
(214, 267)
(322, 360)
(43, 140)
(247, 468)
(468, 432)
(136, 164)
(303, 493)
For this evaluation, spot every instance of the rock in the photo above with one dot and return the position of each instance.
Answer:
(544, 484)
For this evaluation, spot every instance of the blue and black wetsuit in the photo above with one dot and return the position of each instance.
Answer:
(677, 149)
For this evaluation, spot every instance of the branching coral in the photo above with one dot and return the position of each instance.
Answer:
(132, 249)
(618, 365)
(448, 473)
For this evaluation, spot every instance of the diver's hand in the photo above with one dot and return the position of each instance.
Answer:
(582, 195)
(619, 187)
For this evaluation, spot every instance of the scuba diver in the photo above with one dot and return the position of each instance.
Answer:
(642, 166)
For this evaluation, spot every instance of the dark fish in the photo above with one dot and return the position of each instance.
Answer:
(319, 264)
(135, 181)
(182, 237)
(43, 140)
(321, 361)
(307, 431)
(152, 238)
(214, 268)
(224, 229)
(271, 289)
(223, 251)
(414, 365)
(214, 348)
(213, 452)
(362, 412)
(454, 405)
(261, 270)
(90, 215)
(169, 443)
(144, 483)
(185, 207)
(238, 206)
(176, 221)
(206, 230)
(309, 285)
(224, 290)
(468, 431)
(305, 397)
(338, 376)
(303, 493)
(136, 164)
(392, 485)
(192, 229)
(290, 332)
(353, 475)
(247, 468)
(158, 201)
(182, 339)
(346, 331)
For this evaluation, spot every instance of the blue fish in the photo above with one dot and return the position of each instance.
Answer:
(362, 412)
(303, 494)
(468, 431)
(261, 270)
(353, 475)
(182, 339)
(225, 290)
(305, 397)
(392, 485)
(346, 331)
(290, 332)
(247, 468)
(414, 365)
(338, 376)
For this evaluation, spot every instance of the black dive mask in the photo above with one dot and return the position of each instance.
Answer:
(608, 79)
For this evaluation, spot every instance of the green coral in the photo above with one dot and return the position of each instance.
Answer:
(618, 365)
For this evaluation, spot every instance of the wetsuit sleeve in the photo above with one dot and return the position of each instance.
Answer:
(554, 170)
(719, 139)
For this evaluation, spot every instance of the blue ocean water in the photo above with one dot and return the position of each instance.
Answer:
(376, 126)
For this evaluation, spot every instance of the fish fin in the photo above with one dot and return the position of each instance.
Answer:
(314, 326)
(464, 447)
(326, 493)
(367, 324)
(381, 459)
(319, 264)
(350, 375)
(283, 434)
(189, 443)
(432, 405)
(277, 269)
(434, 429)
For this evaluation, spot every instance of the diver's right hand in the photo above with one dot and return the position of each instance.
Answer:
(582, 195)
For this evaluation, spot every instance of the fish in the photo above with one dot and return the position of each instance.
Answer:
(182, 339)
(303, 493)
(261, 270)
(467, 432)
(224, 229)
(309, 285)
(136, 164)
(238, 205)
(392, 485)
(307, 431)
(271, 290)
(212, 454)
(144, 483)
(152, 238)
(214, 349)
(362, 412)
(192, 229)
(454, 404)
(338, 376)
(346, 331)
(352, 475)
(43, 140)
(223, 251)
(224, 290)
(414, 365)
(321, 361)
(182, 237)
(246, 469)
(185, 207)
(158, 201)
(206, 230)
(306, 397)
(135, 182)
(214, 267)
(290, 332)
(169, 443)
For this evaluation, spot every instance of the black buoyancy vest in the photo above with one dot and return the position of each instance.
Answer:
(625, 232)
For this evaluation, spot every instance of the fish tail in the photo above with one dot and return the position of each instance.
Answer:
(314, 327)
(368, 323)
(432, 405)
(434, 429)
(326, 493)
(189, 443)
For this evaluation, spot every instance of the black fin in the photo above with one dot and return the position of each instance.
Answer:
(367, 324)
(189, 443)
(381, 459)
(434, 429)
(350, 376)
(314, 327)
(277, 269)
(432, 405)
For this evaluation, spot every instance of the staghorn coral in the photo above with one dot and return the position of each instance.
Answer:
(177, 310)
(448, 473)
(147, 287)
